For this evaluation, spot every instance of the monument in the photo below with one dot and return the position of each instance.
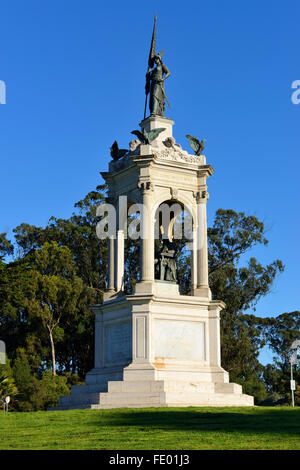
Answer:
(157, 347)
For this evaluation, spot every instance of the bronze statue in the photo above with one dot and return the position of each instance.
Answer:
(117, 153)
(147, 137)
(196, 145)
(165, 263)
(155, 77)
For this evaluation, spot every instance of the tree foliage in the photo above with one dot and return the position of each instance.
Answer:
(280, 333)
(7, 383)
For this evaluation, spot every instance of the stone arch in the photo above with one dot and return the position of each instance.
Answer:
(185, 203)
(182, 199)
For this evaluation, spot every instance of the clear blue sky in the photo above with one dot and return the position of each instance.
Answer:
(74, 72)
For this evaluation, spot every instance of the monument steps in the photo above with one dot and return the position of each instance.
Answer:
(160, 386)
(88, 388)
(167, 400)
(80, 399)
(122, 394)
(175, 398)
(72, 407)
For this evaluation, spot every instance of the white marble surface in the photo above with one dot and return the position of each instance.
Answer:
(118, 342)
(175, 339)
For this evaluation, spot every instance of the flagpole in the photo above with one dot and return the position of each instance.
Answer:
(150, 64)
(145, 106)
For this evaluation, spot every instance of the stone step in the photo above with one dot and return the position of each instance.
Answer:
(127, 398)
(228, 388)
(80, 399)
(159, 399)
(116, 406)
(93, 388)
(154, 392)
(121, 399)
(148, 386)
(168, 374)
(203, 399)
(71, 407)
(148, 393)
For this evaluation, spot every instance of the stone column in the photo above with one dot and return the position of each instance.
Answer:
(202, 289)
(147, 241)
(194, 261)
(119, 261)
(111, 264)
(214, 333)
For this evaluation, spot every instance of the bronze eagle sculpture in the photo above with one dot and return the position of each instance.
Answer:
(117, 153)
(147, 137)
(196, 144)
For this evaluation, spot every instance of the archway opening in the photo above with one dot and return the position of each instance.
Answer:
(173, 231)
(132, 249)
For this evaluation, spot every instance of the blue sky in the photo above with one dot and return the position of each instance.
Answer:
(74, 72)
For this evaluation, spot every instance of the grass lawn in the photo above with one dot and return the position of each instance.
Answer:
(153, 428)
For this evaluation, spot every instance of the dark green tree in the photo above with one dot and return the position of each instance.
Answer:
(7, 383)
(280, 333)
(54, 291)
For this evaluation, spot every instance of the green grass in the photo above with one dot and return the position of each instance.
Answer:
(156, 428)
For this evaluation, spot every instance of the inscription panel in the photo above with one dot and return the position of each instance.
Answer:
(175, 339)
(140, 327)
(118, 343)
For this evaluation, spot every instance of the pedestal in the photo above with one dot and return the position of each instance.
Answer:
(157, 350)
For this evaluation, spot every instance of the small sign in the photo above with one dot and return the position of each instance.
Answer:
(295, 352)
(293, 384)
(7, 399)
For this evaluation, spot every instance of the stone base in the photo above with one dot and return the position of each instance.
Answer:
(175, 359)
(154, 393)
(147, 386)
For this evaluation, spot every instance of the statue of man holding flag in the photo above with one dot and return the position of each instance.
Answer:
(155, 77)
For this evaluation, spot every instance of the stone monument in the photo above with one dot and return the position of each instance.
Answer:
(157, 347)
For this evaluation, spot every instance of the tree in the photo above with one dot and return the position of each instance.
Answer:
(55, 290)
(17, 329)
(280, 332)
(75, 352)
(78, 233)
(44, 392)
(6, 247)
(7, 383)
(23, 376)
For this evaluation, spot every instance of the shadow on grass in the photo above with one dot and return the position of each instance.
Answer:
(275, 421)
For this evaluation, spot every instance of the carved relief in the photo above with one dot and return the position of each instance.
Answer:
(174, 193)
(179, 155)
(201, 196)
(166, 150)
(145, 185)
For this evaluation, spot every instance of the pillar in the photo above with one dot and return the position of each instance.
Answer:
(202, 286)
(119, 261)
(111, 263)
(194, 261)
(147, 241)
